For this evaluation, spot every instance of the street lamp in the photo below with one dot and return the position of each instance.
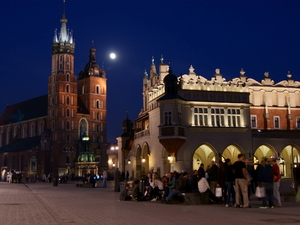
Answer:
(143, 160)
(129, 161)
(169, 157)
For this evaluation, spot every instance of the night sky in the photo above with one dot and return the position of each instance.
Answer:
(258, 36)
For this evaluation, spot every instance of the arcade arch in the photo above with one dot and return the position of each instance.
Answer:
(231, 152)
(205, 153)
(264, 151)
(289, 158)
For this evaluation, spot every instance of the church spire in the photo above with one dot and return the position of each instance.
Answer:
(63, 42)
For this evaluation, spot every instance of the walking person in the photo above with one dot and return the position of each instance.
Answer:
(275, 172)
(241, 182)
(104, 176)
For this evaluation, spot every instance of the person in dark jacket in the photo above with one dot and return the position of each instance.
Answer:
(180, 187)
(264, 179)
(194, 182)
(201, 169)
(136, 193)
(229, 181)
(124, 194)
(213, 176)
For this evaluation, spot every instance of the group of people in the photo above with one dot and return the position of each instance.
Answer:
(237, 181)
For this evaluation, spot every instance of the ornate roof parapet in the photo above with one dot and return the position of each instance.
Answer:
(267, 80)
(192, 81)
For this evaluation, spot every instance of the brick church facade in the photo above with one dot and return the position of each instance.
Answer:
(63, 132)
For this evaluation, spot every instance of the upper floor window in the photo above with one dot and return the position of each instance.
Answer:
(68, 77)
(53, 88)
(298, 122)
(68, 100)
(68, 113)
(253, 121)
(276, 122)
(68, 88)
(97, 89)
(168, 118)
(98, 104)
(83, 89)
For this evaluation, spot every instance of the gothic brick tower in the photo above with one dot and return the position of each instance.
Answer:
(92, 95)
(62, 101)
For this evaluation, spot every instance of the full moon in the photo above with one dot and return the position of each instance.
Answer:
(112, 55)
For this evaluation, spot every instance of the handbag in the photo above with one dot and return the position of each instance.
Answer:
(218, 192)
(260, 192)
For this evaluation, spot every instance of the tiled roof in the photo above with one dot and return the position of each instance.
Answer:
(27, 110)
(21, 145)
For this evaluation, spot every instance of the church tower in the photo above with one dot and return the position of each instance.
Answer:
(92, 96)
(62, 99)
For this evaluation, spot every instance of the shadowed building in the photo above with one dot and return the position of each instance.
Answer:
(63, 132)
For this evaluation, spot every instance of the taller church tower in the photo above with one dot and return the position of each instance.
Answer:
(62, 100)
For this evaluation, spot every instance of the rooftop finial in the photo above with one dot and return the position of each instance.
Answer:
(289, 75)
(93, 44)
(146, 74)
(64, 10)
(266, 74)
(242, 72)
(161, 59)
(152, 59)
(170, 67)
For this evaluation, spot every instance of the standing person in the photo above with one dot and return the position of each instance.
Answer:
(104, 176)
(127, 176)
(117, 180)
(229, 181)
(213, 176)
(264, 179)
(201, 169)
(241, 182)
(221, 180)
(275, 173)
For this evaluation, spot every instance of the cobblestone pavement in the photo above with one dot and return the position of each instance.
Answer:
(41, 203)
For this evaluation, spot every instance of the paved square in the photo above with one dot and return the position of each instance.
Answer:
(41, 203)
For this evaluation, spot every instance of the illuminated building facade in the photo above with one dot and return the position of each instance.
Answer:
(189, 120)
(63, 132)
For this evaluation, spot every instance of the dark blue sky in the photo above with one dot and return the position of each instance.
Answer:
(258, 36)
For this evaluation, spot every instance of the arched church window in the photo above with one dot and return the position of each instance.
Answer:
(68, 77)
(53, 88)
(33, 166)
(83, 128)
(98, 104)
(83, 89)
(97, 89)
(68, 125)
(68, 112)
(68, 88)
(68, 100)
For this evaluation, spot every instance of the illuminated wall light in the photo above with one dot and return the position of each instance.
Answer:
(109, 161)
(129, 162)
(143, 160)
(169, 157)
(113, 165)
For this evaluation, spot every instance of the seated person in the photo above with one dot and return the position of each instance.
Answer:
(180, 187)
(165, 182)
(124, 194)
(148, 191)
(157, 186)
(203, 187)
(136, 194)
